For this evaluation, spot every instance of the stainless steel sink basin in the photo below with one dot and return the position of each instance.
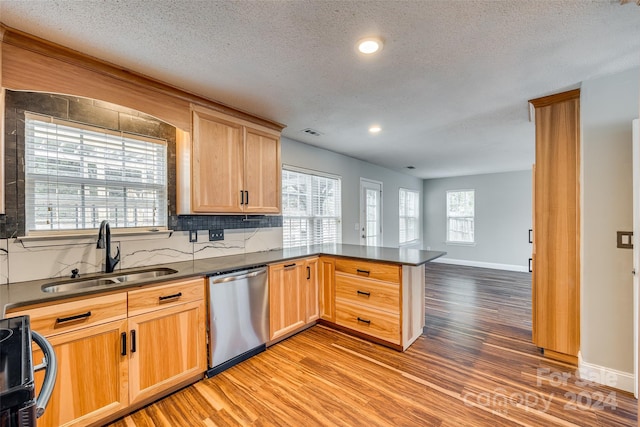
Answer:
(107, 280)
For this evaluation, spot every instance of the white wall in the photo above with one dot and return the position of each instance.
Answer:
(351, 170)
(608, 105)
(502, 219)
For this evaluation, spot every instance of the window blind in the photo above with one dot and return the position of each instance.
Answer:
(77, 175)
(311, 209)
(409, 203)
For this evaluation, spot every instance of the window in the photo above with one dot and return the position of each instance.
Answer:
(311, 210)
(409, 216)
(460, 216)
(77, 175)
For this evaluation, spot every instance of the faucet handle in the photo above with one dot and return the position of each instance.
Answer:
(75, 273)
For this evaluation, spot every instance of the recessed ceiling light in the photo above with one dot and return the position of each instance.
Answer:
(375, 129)
(369, 45)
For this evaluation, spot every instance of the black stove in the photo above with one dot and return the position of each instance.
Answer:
(17, 386)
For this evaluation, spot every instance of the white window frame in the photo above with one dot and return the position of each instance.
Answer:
(160, 208)
(471, 217)
(310, 219)
(406, 218)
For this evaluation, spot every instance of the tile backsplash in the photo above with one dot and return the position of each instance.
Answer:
(32, 260)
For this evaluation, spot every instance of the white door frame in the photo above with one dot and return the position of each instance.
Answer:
(363, 182)
(636, 250)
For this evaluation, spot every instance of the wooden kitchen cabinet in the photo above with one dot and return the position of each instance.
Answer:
(293, 295)
(556, 225)
(166, 347)
(86, 335)
(327, 289)
(287, 298)
(235, 165)
(312, 290)
(167, 337)
(367, 298)
(91, 382)
(108, 362)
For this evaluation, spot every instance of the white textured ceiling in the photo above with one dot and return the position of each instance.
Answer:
(450, 87)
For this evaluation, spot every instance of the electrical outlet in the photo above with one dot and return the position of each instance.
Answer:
(193, 236)
(217, 234)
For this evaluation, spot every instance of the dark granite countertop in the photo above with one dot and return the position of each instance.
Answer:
(14, 295)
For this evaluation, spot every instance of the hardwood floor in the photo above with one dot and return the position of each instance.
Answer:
(473, 366)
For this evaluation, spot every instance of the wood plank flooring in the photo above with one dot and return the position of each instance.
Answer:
(473, 366)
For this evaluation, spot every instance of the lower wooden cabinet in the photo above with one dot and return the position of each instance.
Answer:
(287, 299)
(106, 365)
(92, 375)
(293, 296)
(326, 292)
(166, 348)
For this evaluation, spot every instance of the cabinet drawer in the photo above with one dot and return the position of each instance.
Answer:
(383, 325)
(70, 316)
(157, 297)
(372, 270)
(374, 294)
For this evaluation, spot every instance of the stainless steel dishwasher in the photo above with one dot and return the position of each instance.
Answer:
(238, 317)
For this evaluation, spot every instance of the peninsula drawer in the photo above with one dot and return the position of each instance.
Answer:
(70, 316)
(162, 296)
(385, 326)
(372, 293)
(373, 270)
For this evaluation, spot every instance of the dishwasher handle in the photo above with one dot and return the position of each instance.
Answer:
(239, 276)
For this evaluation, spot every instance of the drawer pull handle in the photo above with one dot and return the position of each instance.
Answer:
(133, 341)
(308, 273)
(72, 318)
(368, 322)
(164, 298)
(364, 272)
(290, 265)
(367, 294)
(123, 344)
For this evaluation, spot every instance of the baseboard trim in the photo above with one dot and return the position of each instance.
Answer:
(624, 381)
(481, 264)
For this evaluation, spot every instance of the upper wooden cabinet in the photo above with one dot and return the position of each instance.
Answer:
(235, 166)
(556, 225)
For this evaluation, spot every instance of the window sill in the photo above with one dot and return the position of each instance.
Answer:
(90, 237)
(460, 243)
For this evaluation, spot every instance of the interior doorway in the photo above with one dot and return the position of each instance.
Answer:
(370, 212)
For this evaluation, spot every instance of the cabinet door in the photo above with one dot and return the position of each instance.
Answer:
(217, 164)
(311, 284)
(166, 347)
(262, 172)
(327, 289)
(287, 304)
(92, 375)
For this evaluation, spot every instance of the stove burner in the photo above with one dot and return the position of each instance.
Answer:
(5, 334)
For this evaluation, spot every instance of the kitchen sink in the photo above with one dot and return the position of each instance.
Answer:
(105, 281)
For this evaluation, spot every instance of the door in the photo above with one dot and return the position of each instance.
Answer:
(217, 164)
(636, 246)
(92, 371)
(370, 212)
(166, 347)
(311, 271)
(287, 297)
(262, 169)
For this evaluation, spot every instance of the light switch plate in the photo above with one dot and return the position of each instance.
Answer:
(217, 234)
(193, 236)
(625, 239)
